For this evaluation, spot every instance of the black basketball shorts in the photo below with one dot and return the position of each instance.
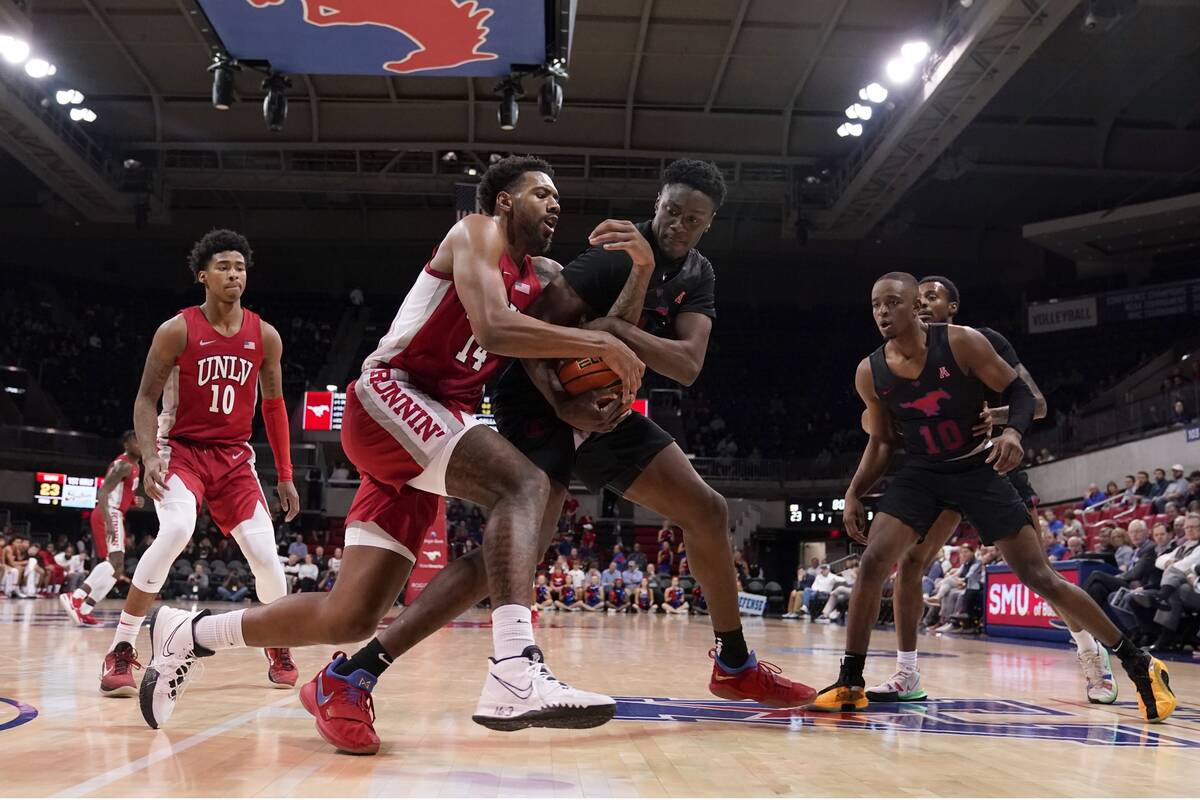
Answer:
(614, 459)
(920, 491)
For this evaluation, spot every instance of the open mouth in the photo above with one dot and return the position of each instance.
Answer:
(548, 226)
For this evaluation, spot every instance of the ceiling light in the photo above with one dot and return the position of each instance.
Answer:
(852, 111)
(83, 115)
(855, 128)
(224, 72)
(68, 97)
(859, 111)
(275, 104)
(873, 93)
(471, 171)
(450, 156)
(843, 130)
(14, 50)
(508, 113)
(899, 70)
(915, 52)
(550, 99)
(39, 68)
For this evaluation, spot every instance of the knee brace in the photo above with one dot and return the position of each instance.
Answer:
(176, 524)
(256, 538)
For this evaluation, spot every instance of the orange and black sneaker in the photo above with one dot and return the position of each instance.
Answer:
(847, 694)
(342, 706)
(282, 670)
(116, 680)
(759, 681)
(1155, 699)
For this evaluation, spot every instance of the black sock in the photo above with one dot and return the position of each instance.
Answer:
(731, 648)
(1126, 650)
(853, 665)
(371, 658)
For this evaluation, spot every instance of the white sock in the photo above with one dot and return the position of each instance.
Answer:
(127, 630)
(906, 659)
(1084, 641)
(220, 631)
(100, 582)
(512, 630)
(79, 593)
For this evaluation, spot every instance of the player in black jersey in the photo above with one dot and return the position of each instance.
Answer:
(932, 380)
(665, 316)
(940, 302)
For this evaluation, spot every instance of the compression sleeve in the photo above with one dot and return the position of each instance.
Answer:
(276, 422)
(1021, 405)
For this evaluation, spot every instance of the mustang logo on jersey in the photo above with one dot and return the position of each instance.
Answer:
(405, 405)
(929, 404)
(215, 368)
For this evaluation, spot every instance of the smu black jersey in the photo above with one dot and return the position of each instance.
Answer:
(598, 276)
(935, 412)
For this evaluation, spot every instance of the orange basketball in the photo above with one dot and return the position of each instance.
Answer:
(579, 375)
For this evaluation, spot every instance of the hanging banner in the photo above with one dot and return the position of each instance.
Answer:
(1062, 315)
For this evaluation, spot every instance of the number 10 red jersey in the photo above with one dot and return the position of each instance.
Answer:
(213, 389)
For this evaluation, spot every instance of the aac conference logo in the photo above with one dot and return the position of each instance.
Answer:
(952, 717)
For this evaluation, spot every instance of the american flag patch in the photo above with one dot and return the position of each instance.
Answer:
(247, 345)
(521, 287)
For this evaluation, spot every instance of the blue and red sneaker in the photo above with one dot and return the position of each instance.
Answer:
(343, 708)
(759, 681)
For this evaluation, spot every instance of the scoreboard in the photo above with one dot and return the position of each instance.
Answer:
(821, 512)
(67, 491)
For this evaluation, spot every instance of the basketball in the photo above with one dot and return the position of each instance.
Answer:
(579, 375)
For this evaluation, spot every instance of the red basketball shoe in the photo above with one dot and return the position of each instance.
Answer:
(71, 605)
(342, 706)
(759, 681)
(89, 621)
(117, 678)
(282, 670)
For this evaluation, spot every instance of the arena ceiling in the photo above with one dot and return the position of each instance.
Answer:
(1038, 118)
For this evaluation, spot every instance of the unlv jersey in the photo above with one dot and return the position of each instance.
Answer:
(211, 394)
(121, 497)
(431, 338)
(935, 412)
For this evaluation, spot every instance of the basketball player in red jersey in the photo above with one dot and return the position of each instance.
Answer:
(408, 429)
(116, 495)
(207, 364)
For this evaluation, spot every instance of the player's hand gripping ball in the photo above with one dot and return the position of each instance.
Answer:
(579, 375)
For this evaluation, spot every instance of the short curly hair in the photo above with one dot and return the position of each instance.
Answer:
(703, 176)
(217, 241)
(501, 176)
(951, 289)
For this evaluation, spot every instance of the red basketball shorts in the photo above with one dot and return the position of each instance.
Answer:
(221, 474)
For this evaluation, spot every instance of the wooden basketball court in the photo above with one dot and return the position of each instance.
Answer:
(1009, 720)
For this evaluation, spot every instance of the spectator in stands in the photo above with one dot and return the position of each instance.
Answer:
(1142, 487)
(307, 574)
(319, 559)
(1094, 495)
(1122, 549)
(839, 598)
(631, 575)
(817, 595)
(1129, 495)
(740, 566)
(665, 533)
(1179, 416)
(609, 577)
(956, 583)
(1071, 524)
(234, 589)
(1111, 489)
(675, 600)
(197, 583)
(297, 548)
(593, 594)
(576, 577)
(541, 594)
(1177, 530)
(665, 557)
(340, 473)
(637, 557)
(643, 598)
(1175, 492)
(1104, 541)
(558, 579)
(657, 582)
(568, 599)
(1177, 564)
(1053, 522)
(1054, 548)
(74, 566)
(796, 597)
(1075, 547)
(1159, 483)
(291, 571)
(618, 555)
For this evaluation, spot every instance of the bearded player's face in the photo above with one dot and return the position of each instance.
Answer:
(535, 209)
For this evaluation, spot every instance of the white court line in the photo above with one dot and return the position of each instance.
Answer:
(163, 753)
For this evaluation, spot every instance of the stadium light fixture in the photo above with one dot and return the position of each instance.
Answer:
(39, 68)
(899, 70)
(224, 72)
(873, 93)
(914, 52)
(859, 111)
(550, 99)
(14, 50)
(275, 104)
(849, 129)
(83, 115)
(508, 112)
(68, 97)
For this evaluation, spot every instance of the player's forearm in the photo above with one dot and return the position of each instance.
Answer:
(628, 305)
(519, 336)
(671, 358)
(871, 466)
(145, 424)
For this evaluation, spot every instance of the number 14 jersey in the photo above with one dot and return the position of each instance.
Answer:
(432, 341)
(211, 393)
